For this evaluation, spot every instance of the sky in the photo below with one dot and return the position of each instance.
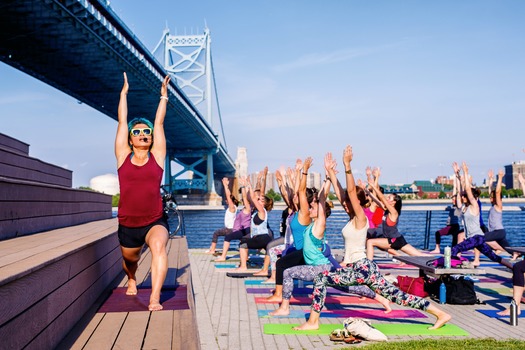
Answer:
(412, 85)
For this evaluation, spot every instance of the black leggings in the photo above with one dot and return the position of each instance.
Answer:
(517, 274)
(236, 235)
(500, 237)
(292, 259)
(255, 242)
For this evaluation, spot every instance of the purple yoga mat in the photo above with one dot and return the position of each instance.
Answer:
(296, 291)
(170, 299)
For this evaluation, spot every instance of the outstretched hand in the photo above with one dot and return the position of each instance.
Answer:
(164, 87)
(125, 87)
(347, 155)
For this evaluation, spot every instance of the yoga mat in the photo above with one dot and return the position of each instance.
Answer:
(494, 280)
(170, 299)
(419, 329)
(493, 314)
(324, 329)
(499, 291)
(257, 283)
(261, 283)
(244, 274)
(397, 266)
(363, 313)
(343, 299)
(297, 290)
(225, 266)
(386, 328)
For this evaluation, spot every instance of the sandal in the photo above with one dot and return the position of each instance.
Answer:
(337, 335)
(351, 340)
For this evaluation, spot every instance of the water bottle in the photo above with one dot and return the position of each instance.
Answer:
(447, 257)
(513, 313)
(442, 293)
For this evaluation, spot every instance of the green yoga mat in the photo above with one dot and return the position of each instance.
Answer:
(385, 328)
(419, 329)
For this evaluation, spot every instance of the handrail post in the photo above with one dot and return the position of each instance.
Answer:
(427, 229)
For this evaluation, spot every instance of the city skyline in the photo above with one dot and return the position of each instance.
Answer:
(412, 86)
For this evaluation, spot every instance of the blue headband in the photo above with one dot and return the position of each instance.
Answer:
(136, 121)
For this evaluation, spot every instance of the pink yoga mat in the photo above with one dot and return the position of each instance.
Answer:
(329, 300)
(374, 313)
(397, 266)
(170, 299)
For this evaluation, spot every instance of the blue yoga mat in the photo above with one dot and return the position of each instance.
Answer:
(494, 314)
(225, 266)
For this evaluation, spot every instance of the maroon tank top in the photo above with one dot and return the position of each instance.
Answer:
(140, 202)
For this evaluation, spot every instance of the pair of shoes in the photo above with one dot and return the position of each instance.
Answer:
(343, 335)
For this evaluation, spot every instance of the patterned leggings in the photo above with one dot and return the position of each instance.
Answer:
(308, 273)
(364, 272)
(478, 242)
(274, 253)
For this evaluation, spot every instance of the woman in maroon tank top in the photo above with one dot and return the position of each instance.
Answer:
(140, 164)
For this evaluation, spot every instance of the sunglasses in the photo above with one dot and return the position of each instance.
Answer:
(136, 132)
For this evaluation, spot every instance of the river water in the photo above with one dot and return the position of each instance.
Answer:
(200, 224)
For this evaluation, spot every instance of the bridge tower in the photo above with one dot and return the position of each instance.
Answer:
(188, 58)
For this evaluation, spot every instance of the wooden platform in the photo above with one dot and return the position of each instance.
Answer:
(166, 329)
(49, 280)
(229, 318)
(422, 263)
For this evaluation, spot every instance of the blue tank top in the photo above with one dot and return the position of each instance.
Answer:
(298, 232)
(313, 248)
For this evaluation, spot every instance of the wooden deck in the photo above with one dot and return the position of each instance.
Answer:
(166, 329)
(228, 315)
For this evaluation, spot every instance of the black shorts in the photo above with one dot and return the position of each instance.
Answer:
(134, 237)
(397, 242)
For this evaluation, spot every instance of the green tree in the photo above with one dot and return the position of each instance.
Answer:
(274, 195)
(442, 195)
(332, 196)
(115, 199)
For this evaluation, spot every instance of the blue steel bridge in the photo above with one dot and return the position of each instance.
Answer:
(81, 47)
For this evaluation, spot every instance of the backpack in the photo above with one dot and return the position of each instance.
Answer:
(460, 291)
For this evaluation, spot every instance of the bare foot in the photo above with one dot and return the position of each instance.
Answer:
(435, 251)
(386, 304)
(279, 312)
(154, 305)
(261, 273)
(220, 259)
(241, 269)
(275, 298)
(306, 327)
(515, 256)
(442, 318)
(210, 251)
(132, 287)
(476, 263)
(504, 312)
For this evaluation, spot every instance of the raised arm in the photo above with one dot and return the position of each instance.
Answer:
(263, 180)
(255, 201)
(226, 184)
(498, 200)
(392, 212)
(283, 188)
(244, 193)
(159, 138)
(330, 166)
(351, 190)
(304, 207)
(320, 221)
(122, 149)
(468, 189)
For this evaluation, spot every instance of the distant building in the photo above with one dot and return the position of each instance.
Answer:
(428, 189)
(444, 180)
(241, 163)
(407, 190)
(511, 174)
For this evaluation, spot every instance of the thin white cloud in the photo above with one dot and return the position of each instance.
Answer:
(319, 59)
